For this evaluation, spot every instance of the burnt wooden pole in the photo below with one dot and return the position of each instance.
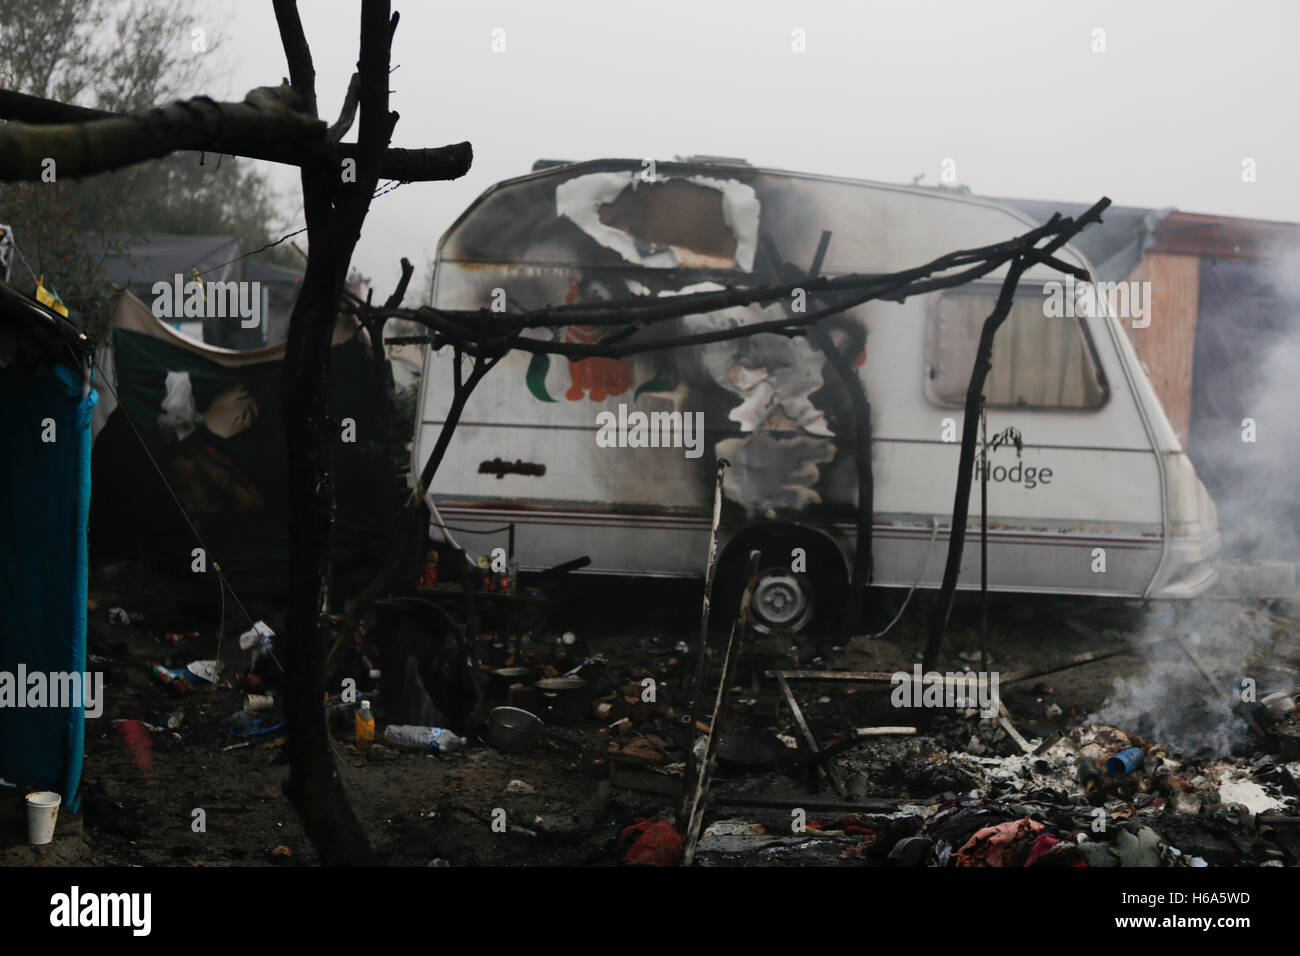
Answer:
(965, 466)
(702, 655)
(984, 535)
(695, 817)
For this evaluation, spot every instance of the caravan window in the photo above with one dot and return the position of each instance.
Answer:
(1038, 362)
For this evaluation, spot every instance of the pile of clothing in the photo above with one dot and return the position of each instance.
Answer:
(971, 831)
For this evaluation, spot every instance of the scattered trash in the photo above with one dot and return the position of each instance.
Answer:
(656, 844)
(209, 671)
(365, 725)
(1278, 704)
(176, 680)
(1247, 793)
(434, 739)
(252, 725)
(1087, 784)
(259, 639)
(42, 814)
(752, 749)
(733, 828)
(1126, 761)
(1016, 843)
(121, 617)
(253, 683)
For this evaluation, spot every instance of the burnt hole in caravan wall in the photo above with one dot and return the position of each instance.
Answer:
(681, 215)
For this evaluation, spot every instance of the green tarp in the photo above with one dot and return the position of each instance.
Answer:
(217, 435)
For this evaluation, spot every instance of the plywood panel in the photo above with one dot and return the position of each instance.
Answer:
(1166, 346)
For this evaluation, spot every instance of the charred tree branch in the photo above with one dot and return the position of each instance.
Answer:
(481, 331)
(100, 145)
(305, 142)
(970, 426)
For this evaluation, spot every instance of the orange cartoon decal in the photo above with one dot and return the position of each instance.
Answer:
(596, 377)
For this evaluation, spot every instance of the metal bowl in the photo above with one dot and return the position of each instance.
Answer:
(513, 675)
(512, 729)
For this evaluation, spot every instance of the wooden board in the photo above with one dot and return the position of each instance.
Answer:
(1167, 346)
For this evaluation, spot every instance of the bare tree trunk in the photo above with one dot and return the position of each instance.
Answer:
(335, 208)
(314, 787)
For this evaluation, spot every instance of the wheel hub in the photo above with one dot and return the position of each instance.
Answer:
(782, 601)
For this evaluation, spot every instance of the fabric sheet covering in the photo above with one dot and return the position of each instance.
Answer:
(211, 421)
(44, 506)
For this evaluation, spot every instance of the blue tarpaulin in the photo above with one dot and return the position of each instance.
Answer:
(44, 505)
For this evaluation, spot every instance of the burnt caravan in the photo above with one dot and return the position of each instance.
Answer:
(1101, 499)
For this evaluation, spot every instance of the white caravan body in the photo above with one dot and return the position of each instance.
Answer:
(1102, 500)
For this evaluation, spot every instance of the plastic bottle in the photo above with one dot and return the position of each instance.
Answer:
(435, 739)
(365, 725)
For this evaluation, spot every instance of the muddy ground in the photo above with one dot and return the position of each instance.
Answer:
(418, 809)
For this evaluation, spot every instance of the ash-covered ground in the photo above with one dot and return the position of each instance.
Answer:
(1212, 790)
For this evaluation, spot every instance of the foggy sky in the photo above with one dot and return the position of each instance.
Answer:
(1009, 90)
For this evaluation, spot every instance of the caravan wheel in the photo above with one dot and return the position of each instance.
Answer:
(783, 601)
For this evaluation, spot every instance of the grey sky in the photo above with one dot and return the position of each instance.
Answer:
(1011, 91)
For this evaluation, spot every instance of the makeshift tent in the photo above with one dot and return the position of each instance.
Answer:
(136, 263)
(209, 426)
(44, 502)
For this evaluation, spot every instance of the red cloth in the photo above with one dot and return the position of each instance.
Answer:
(847, 824)
(137, 739)
(657, 844)
(1041, 846)
(1007, 844)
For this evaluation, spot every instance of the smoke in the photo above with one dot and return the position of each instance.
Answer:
(1168, 701)
(1245, 440)
(1247, 360)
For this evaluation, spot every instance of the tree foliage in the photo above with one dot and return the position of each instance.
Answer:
(122, 55)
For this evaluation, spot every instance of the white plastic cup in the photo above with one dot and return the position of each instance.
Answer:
(42, 811)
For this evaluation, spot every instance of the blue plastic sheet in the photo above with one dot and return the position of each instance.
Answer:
(45, 438)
